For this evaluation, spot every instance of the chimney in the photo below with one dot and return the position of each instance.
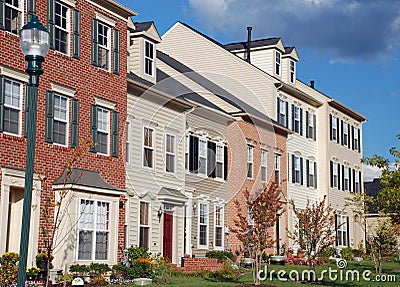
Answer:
(312, 84)
(248, 43)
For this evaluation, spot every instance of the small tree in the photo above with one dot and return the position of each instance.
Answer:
(314, 229)
(256, 232)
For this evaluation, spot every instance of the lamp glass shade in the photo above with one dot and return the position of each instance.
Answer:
(34, 42)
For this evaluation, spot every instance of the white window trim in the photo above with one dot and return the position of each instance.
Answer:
(311, 173)
(278, 71)
(264, 156)
(357, 180)
(296, 119)
(206, 158)
(21, 10)
(356, 139)
(68, 122)
(68, 30)
(14, 74)
(106, 20)
(220, 161)
(173, 153)
(104, 131)
(22, 87)
(346, 170)
(277, 166)
(151, 59)
(187, 152)
(149, 223)
(292, 71)
(250, 160)
(311, 125)
(108, 46)
(152, 147)
(221, 225)
(346, 133)
(297, 169)
(342, 220)
(199, 246)
(334, 128)
(335, 166)
(110, 231)
(105, 103)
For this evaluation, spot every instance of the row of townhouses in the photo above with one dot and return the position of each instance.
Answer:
(182, 125)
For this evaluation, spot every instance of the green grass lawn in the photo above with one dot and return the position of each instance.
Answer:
(389, 269)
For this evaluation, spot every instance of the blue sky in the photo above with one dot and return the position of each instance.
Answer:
(350, 48)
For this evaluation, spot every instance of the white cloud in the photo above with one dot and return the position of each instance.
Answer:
(371, 172)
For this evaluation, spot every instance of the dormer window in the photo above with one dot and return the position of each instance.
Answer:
(149, 58)
(292, 71)
(277, 63)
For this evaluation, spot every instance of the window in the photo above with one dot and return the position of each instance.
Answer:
(12, 16)
(12, 106)
(202, 156)
(103, 129)
(342, 230)
(61, 28)
(187, 142)
(282, 112)
(311, 168)
(219, 171)
(219, 226)
(345, 136)
(127, 143)
(203, 224)
(148, 147)
(250, 150)
(170, 153)
(277, 167)
(334, 128)
(297, 173)
(103, 46)
(277, 63)
(335, 174)
(346, 178)
(356, 139)
(292, 71)
(60, 127)
(357, 177)
(311, 121)
(144, 226)
(149, 58)
(93, 230)
(296, 119)
(264, 165)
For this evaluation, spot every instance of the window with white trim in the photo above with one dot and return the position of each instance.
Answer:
(356, 143)
(12, 15)
(292, 71)
(296, 117)
(219, 226)
(202, 156)
(203, 224)
(170, 153)
(277, 63)
(346, 177)
(335, 173)
(12, 106)
(277, 168)
(357, 187)
(127, 142)
(148, 147)
(250, 155)
(104, 46)
(103, 130)
(282, 116)
(263, 165)
(334, 128)
(342, 230)
(187, 140)
(61, 27)
(297, 172)
(310, 127)
(219, 169)
(93, 230)
(311, 175)
(345, 134)
(144, 225)
(60, 128)
(149, 58)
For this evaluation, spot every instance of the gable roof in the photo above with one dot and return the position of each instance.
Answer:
(147, 29)
(254, 44)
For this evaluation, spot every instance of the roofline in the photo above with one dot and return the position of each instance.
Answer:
(298, 94)
(346, 110)
(161, 93)
(122, 7)
(274, 124)
(220, 113)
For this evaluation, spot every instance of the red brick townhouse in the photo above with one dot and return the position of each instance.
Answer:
(83, 92)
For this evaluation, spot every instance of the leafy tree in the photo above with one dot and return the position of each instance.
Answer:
(257, 232)
(314, 229)
(388, 199)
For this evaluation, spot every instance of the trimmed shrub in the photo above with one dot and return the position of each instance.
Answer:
(137, 252)
(347, 253)
(220, 255)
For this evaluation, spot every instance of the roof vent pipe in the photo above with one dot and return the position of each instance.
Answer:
(312, 84)
(248, 43)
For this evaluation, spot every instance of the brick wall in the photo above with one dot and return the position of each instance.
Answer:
(198, 264)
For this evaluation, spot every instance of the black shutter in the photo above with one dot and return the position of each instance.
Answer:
(307, 123)
(287, 114)
(315, 127)
(308, 172)
(301, 122)
(50, 22)
(301, 171)
(293, 125)
(95, 42)
(225, 162)
(336, 229)
(359, 180)
(315, 175)
(30, 9)
(93, 127)
(2, 9)
(49, 129)
(343, 177)
(293, 170)
(352, 137)
(348, 231)
(75, 123)
(330, 127)
(116, 52)
(278, 111)
(2, 104)
(338, 172)
(331, 170)
(76, 38)
(348, 136)
(115, 125)
(341, 129)
(359, 140)
(349, 170)
(354, 179)
(193, 154)
(337, 131)
(211, 158)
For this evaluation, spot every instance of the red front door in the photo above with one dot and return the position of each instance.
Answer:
(167, 238)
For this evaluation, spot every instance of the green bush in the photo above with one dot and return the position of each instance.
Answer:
(140, 268)
(78, 269)
(227, 272)
(8, 268)
(358, 253)
(138, 252)
(220, 255)
(97, 268)
(328, 252)
(347, 253)
(68, 278)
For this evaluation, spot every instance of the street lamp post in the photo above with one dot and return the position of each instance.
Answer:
(34, 40)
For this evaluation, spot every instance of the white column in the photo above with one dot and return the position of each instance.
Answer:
(5, 200)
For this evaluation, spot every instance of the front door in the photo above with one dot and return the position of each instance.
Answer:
(167, 238)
